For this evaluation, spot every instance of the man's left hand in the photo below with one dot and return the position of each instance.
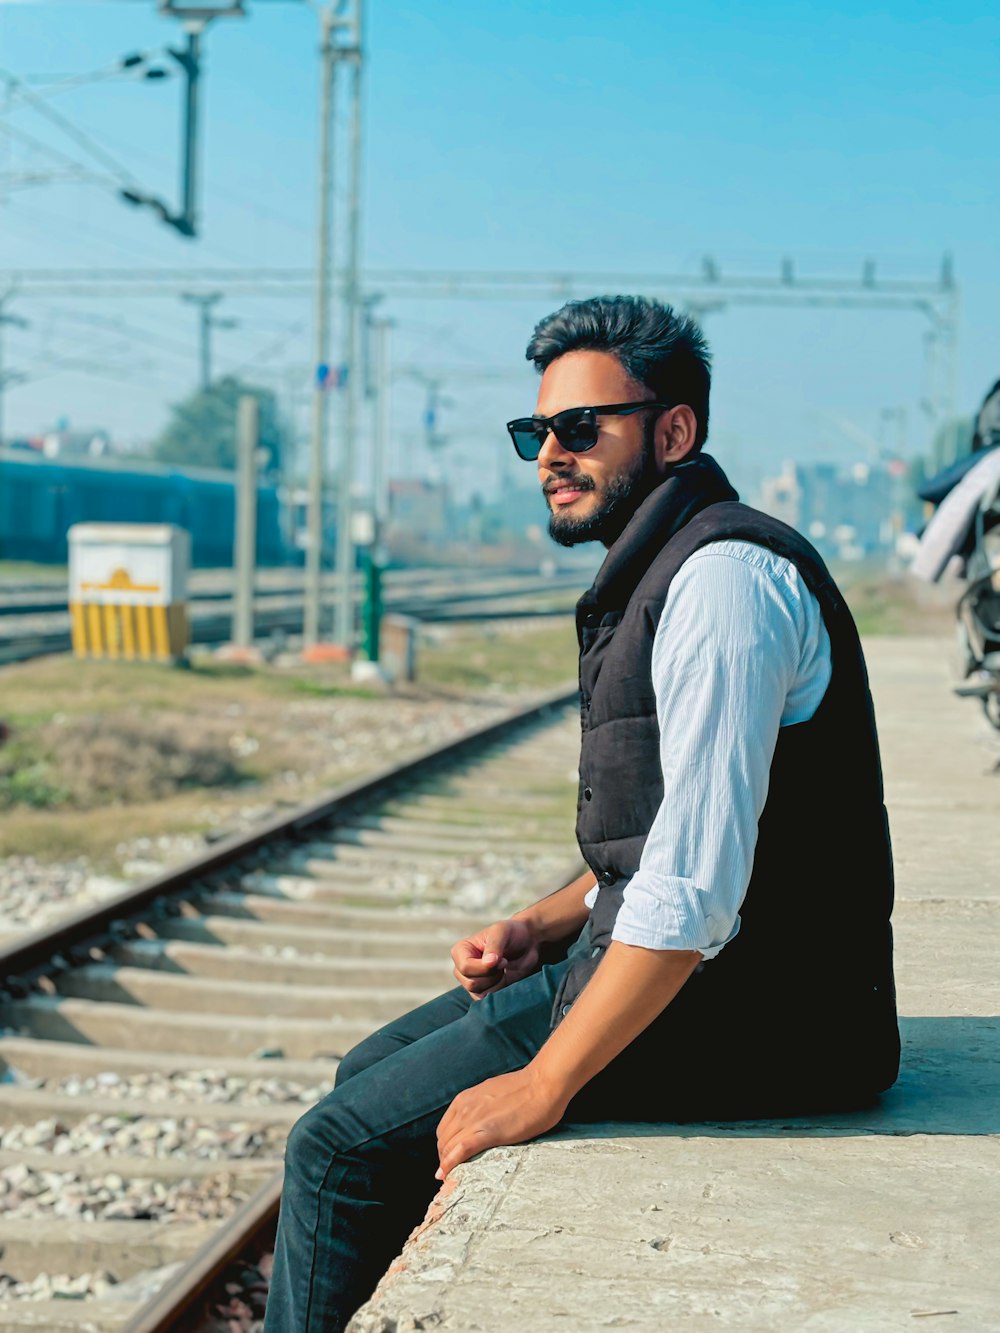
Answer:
(511, 1108)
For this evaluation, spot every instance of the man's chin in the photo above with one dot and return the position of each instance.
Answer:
(570, 530)
(603, 521)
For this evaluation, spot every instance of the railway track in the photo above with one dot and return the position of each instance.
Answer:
(33, 629)
(156, 1049)
(418, 586)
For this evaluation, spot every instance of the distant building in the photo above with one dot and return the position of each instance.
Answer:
(66, 443)
(419, 511)
(518, 514)
(848, 512)
(781, 496)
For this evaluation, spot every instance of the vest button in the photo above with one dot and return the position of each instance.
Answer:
(608, 877)
(587, 793)
(565, 1009)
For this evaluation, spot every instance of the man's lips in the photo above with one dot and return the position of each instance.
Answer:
(565, 492)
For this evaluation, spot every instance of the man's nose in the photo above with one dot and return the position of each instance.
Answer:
(553, 455)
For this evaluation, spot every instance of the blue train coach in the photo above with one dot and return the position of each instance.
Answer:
(41, 498)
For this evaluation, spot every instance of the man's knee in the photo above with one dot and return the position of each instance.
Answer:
(316, 1138)
(361, 1057)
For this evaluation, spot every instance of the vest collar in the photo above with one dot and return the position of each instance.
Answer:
(688, 489)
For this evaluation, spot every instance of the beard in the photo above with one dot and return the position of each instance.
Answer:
(617, 502)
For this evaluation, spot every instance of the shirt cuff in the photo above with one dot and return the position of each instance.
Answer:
(671, 916)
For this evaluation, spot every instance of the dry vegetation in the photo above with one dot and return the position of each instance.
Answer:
(897, 604)
(100, 754)
(97, 755)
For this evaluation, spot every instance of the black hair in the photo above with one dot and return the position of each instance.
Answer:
(987, 421)
(659, 348)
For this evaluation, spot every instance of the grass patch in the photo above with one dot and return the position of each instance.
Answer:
(505, 656)
(68, 834)
(91, 762)
(28, 778)
(883, 603)
(320, 689)
(28, 571)
(34, 691)
(99, 754)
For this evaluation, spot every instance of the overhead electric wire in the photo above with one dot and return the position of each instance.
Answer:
(25, 180)
(176, 348)
(62, 364)
(53, 85)
(85, 175)
(117, 363)
(59, 222)
(270, 349)
(40, 146)
(136, 376)
(80, 137)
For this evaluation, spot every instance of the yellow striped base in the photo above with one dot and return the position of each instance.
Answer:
(129, 633)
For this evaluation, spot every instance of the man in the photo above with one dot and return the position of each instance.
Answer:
(732, 951)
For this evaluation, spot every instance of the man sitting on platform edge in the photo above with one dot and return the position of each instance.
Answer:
(728, 954)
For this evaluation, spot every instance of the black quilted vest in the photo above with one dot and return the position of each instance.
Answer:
(801, 1004)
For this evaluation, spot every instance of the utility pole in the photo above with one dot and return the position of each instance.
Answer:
(321, 401)
(344, 619)
(434, 440)
(206, 301)
(7, 377)
(196, 17)
(375, 555)
(380, 453)
(189, 60)
(245, 545)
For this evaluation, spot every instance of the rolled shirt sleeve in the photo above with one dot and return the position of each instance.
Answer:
(740, 651)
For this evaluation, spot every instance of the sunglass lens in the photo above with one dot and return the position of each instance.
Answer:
(575, 431)
(528, 438)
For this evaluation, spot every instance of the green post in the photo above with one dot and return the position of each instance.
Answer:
(373, 604)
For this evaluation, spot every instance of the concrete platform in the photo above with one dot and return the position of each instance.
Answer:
(882, 1220)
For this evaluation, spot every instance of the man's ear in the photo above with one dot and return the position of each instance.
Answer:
(676, 433)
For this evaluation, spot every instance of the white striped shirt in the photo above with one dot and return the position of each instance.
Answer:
(740, 651)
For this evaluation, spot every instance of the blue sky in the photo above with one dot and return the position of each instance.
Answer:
(628, 137)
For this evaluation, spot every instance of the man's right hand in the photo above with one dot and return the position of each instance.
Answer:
(496, 957)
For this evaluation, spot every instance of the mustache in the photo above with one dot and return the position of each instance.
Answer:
(578, 480)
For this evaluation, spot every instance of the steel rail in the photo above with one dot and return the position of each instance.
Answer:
(396, 598)
(24, 964)
(36, 963)
(215, 628)
(163, 1312)
(53, 947)
(519, 586)
(216, 632)
(166, 1310)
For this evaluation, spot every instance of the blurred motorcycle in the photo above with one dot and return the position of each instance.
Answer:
(978, 609)
(962, 536)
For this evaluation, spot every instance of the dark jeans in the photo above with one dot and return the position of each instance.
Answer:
(359, 1166)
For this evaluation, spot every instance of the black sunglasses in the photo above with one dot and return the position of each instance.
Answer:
(576, 428)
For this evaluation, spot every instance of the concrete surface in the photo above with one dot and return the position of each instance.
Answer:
(882, 1220)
